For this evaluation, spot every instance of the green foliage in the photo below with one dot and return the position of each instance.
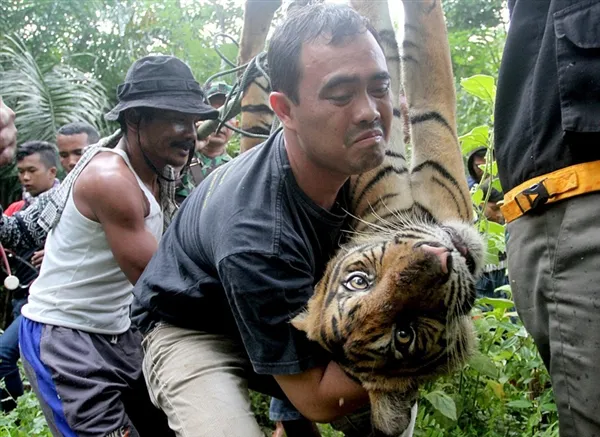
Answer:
(46, 96)
(476, 34)
(480, 86)
(26, 420)
(503, 391)
(260, 408)
(483, 88)
(104, 37)
(473, 14)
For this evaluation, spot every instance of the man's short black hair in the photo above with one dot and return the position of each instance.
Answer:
(136, 115)
(338, 23)
(47, 151)
(80, 127)
(479, 152)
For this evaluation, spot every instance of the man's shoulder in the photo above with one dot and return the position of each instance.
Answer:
(103, 177)
(108, 169)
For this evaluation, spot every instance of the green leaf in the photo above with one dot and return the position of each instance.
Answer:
(494, 169)
(45, 97)
(495, 229)
(496, 302)
(522, 332)
(477, 196)
(443, 403)
(478, 137)
(484, 365)
(496, 184)
(505, 289)
(481, 86)
(520, 404)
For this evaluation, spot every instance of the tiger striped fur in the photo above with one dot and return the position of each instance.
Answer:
(393, 305)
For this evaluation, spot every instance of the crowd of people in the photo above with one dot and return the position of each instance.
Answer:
(153, 320)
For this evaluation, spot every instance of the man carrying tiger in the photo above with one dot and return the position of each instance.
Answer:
(216, 300)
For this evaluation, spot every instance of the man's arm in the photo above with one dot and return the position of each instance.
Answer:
(264, 292)
(323, 394)
(22, 232)
(107, 192)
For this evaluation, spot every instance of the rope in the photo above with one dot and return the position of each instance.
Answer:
(219, 52)
(256, 67)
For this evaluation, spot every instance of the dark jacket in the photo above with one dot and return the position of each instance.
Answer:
(548, 102)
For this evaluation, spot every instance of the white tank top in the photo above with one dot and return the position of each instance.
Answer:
(80, 285)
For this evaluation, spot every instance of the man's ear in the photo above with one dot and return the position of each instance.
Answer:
(53, 171)
(132, 119)
(282, 106)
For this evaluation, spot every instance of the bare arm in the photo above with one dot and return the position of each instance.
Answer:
(323, 394)
(108, 192)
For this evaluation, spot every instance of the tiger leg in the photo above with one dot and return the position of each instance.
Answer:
(256, 115)
(379, 192)
(437, 177)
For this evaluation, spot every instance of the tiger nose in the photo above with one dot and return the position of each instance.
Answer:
(441, 252)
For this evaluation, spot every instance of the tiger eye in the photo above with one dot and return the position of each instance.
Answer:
(403, 336)
(359, 282)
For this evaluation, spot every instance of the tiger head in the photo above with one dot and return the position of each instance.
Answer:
(393, 307)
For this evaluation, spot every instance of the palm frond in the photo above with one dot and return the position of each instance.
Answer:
(45, 97)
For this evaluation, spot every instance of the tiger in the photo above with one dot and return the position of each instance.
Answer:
(393, 304)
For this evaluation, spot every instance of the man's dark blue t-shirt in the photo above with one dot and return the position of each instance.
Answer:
(242, 257)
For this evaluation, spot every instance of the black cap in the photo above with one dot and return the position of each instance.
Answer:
(162, 82)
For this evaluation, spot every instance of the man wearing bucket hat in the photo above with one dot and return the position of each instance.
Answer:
(211, 152)
(82, 357)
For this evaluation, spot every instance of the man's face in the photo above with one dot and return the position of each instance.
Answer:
(493, 213)
(217, 140)
(70, 149)
(34, 175)
(168, 137)
(477, 161)
(344, 114)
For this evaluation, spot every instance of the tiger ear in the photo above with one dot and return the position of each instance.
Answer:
(300, 322)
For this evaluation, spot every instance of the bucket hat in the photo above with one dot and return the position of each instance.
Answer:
(162, 82)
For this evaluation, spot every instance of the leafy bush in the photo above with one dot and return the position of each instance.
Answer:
(26, 420)
(503, 391)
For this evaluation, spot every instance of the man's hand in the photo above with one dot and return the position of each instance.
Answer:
(8, 134)
(37, 258)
